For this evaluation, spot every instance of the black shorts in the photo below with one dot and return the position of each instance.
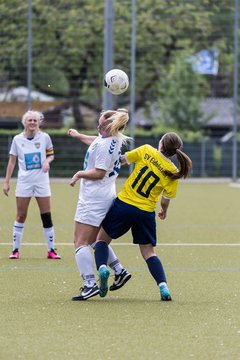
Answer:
(122, 217)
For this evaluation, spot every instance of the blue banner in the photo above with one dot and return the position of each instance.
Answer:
(205, 62)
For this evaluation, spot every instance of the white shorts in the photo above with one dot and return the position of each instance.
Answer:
(92, 213)
(29, 190)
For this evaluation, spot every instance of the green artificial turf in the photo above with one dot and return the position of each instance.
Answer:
(200, 252)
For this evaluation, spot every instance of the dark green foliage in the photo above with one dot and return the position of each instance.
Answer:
(68, 40)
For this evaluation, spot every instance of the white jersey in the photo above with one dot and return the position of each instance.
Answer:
(104, 154)
(31, 153)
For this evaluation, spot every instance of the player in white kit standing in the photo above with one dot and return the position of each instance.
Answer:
(34, 151)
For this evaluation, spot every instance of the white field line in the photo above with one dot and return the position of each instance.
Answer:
(131, 244)
(223, 180)
(236, 185)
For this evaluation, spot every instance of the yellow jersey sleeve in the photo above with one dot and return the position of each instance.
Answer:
(148, 182)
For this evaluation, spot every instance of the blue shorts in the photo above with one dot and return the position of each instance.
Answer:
(122, 217)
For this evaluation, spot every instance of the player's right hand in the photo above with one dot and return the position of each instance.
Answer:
(73, 133)
(74, 179)
(6, 189)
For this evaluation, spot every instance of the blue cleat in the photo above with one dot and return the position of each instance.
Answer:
(103, 274)
(165, 294)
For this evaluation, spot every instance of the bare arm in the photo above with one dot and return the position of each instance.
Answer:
(164, 206)
(86, 139)
(46, 163)
(9, 172)
(92, 174)
(123, 159)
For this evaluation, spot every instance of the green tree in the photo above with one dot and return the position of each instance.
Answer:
(68, 40)
(181, 97)
(167, 33)
(67, 49)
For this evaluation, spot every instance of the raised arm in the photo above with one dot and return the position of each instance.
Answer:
(86, 139)
(9, 172)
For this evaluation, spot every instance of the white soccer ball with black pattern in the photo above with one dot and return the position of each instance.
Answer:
(116, 81)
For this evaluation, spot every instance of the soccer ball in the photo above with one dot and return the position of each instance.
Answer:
(116, 81)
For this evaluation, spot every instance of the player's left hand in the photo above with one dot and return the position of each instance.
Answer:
(162, 214)
(45, 166)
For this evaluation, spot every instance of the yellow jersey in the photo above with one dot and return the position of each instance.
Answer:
(148, 181)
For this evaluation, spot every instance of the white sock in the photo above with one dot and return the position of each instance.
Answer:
(17, 234)
(50, 237)
(113, 261)
(85, 266)
(162, 283)
(102, 266)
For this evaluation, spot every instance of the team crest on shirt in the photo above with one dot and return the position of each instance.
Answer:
(37, 145)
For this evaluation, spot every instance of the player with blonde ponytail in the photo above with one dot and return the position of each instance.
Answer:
(96, 195)
(118, 123)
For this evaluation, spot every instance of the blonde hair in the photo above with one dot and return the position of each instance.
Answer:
(119, 119)
(35, 114)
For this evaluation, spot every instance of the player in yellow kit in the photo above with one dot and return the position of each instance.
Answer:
(154, 176)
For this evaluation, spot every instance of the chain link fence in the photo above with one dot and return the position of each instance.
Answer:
(52, 57)
(210, 158)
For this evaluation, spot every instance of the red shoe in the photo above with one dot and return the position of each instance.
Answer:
(14, 255)
(53, 255)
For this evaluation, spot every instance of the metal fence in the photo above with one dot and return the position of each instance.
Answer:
(62, 48)
(209, 157)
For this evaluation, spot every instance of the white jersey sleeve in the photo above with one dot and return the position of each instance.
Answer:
(13, 149)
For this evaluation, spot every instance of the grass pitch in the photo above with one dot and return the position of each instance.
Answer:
(200, 249)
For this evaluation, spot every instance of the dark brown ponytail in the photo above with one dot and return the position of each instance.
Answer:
(171, 144)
